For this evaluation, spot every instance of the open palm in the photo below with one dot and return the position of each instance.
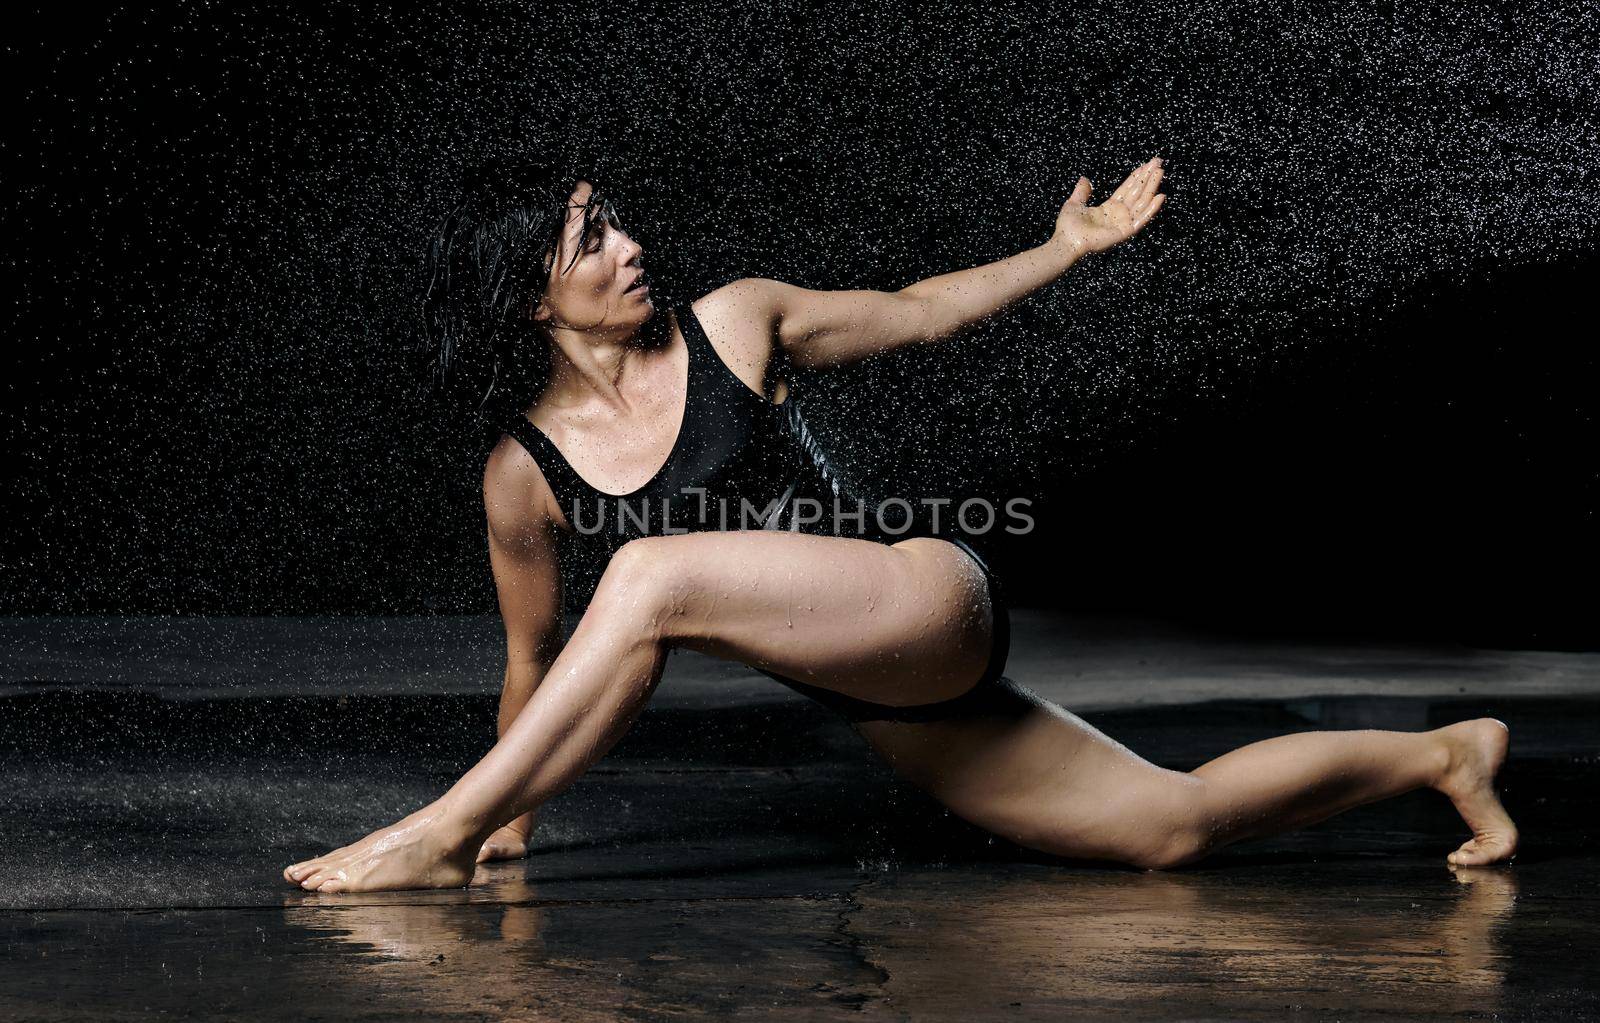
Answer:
(1088, 228)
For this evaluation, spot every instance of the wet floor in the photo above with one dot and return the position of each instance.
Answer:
(741, 854)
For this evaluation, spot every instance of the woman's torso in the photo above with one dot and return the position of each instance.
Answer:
(733, 456)
(739, 461)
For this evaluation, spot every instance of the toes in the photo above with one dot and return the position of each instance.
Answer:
(329, 880)
(1472, 854)
(497, 851)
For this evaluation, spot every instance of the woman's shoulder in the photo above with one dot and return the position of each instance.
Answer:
(740, 323)
(516, 495)
(751, 300)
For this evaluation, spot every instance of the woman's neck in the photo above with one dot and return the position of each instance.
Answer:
(588, 365)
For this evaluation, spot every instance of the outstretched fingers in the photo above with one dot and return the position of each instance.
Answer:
(1139, 185)
(1154, 172)
(1148, 211)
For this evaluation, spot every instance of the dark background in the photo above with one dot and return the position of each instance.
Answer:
(1344, 385)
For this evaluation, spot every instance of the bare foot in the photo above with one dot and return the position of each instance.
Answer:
(411, 854)
(509, 843)
(1477, 749)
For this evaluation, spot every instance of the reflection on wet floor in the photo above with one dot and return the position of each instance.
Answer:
(1105, 944)
(962, 946)
(1361, 938)
(753, 861)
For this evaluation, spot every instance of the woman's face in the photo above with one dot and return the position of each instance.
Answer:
(602, 289)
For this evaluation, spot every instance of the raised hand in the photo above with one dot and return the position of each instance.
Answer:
(1084, 228)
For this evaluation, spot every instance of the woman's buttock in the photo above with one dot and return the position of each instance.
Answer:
(905, 624)
(980, 698)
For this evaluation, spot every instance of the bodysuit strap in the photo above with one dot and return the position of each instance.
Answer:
(693, 333)
(711, 372)
(564, 481)
(694, 336)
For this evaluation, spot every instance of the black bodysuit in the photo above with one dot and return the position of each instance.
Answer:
(743, 462)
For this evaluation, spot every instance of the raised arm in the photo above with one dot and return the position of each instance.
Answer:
(527, 578)
(831, 328)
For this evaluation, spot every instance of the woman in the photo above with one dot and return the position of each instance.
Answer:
(903, 630)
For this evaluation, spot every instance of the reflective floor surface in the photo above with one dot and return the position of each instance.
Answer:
(742, 855)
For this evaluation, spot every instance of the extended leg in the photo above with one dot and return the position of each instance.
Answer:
(1294, 780)
(1046, 779)
(905, 624)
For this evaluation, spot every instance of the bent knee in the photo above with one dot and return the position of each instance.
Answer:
(1157, 850)
(648, 580)
(643, 559)
(1174, 832)
(1177, 848)
(1131, 831)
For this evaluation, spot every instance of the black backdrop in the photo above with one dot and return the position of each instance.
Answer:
(1342, 385)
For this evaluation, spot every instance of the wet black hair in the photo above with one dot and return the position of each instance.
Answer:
(486, 266)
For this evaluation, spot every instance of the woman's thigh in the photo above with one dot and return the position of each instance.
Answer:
(1043, 777)
(904, 624)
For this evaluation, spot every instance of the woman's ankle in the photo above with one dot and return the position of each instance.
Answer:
(1441, 758)
(457, 831)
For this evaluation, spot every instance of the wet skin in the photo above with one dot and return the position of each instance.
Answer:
(902, 624)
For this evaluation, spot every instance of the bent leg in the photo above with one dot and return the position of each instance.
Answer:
(907, 624)
(1044, 778)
